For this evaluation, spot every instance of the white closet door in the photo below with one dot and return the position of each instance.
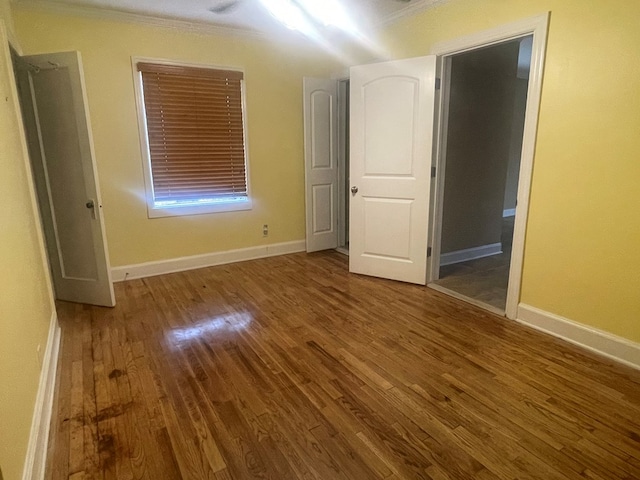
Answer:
(321, 169)
(61, 150)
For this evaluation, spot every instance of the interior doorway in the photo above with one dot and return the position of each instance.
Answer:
(484, 109)
(395, 132)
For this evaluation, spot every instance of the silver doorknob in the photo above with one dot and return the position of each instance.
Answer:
(91, 205)
(354, 190)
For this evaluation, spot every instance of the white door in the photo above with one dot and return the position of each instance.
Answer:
(320, 157)
(60, 146)
(392, 115)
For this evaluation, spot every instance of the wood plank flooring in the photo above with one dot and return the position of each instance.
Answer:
(291, 368)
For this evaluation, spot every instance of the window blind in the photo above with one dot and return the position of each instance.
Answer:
(195, 131)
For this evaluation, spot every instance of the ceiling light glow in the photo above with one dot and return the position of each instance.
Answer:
(306, 15)
(328, 12)
(288, 13)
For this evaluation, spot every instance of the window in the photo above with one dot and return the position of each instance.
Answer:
(193, 136)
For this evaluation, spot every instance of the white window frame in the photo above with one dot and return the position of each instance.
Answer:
(158, 211)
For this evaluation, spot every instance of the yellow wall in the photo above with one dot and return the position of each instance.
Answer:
(7, 18)
(273, 74)
(582, 259)
(582, 255)
(25, 300)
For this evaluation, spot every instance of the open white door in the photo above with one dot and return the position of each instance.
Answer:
(60, 145)
(320, 158)
(392, 115)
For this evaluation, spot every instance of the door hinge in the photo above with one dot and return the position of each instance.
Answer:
(433, 172)
(428, 251)
(438, 82)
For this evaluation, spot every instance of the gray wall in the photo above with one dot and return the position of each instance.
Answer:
(481, 109)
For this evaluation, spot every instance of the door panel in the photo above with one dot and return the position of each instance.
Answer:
(53, 103)
(389, 105)
(323, 206)
(392, 106)
(383, 219)
(321, 169)
(76, 253)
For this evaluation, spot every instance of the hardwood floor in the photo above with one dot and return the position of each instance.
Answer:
(291, 368)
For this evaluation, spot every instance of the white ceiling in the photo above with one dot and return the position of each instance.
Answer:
(243, 14)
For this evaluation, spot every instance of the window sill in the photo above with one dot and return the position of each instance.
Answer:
(182, 210)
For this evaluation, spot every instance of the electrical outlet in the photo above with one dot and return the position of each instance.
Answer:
(265, 230)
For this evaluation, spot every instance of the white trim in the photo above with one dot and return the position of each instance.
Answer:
(508, 212)
(499, 34)
(135, 18)
(154, 211)
(438, 162)
(235, 205)
(161, 267)
(538, 27)
(473, 253)
(187, 25)
(604, 343)
(34, 465)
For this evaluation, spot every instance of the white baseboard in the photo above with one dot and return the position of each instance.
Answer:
(34, 466)
(149, 269)
(470, 254)
(508, 212)
(598, 341)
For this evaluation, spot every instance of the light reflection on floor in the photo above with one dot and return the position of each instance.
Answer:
(221, 324)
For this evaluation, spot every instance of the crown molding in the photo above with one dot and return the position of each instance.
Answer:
(139, 19)
(408, 11)
(203, 28)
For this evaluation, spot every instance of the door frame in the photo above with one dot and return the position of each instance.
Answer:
(538, 27)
